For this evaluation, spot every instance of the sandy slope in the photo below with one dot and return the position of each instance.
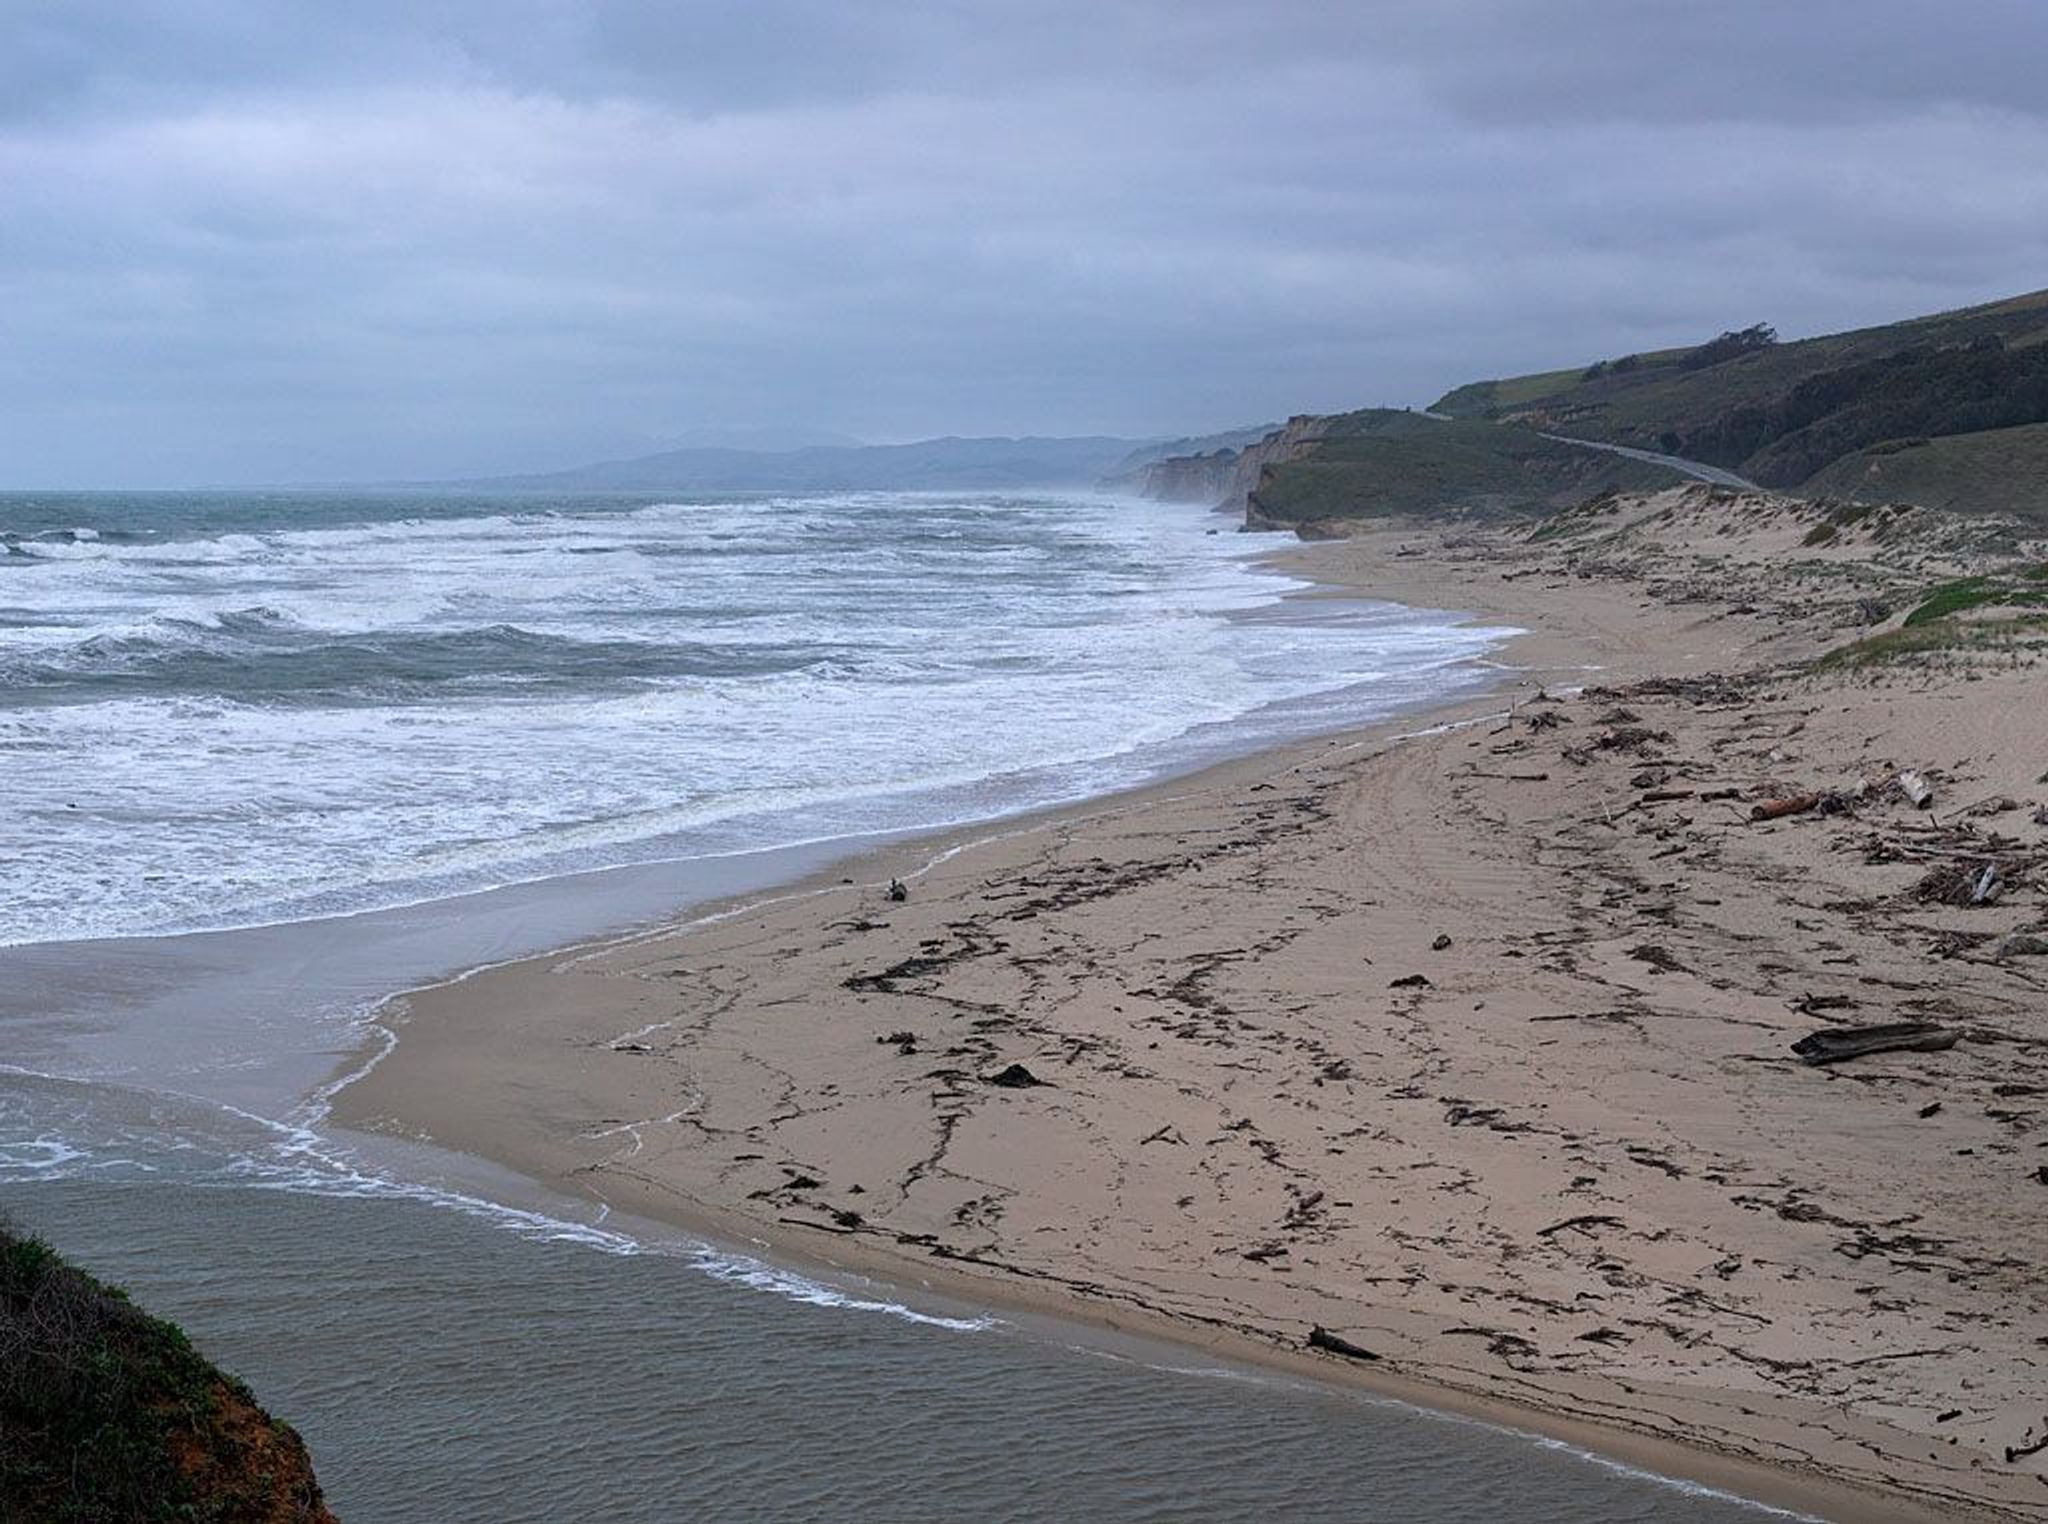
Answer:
(1470, 1048)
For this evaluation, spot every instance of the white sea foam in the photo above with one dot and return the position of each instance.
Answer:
(260, 725)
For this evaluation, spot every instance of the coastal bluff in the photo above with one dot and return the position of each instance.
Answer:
(1946, 411)
(108, 1413)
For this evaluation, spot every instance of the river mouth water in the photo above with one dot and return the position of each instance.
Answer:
(456, 1343)
(445, 1368)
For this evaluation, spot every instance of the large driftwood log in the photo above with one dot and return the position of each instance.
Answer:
(1838, 1043)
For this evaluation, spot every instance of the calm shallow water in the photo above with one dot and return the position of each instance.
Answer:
(444, 1369)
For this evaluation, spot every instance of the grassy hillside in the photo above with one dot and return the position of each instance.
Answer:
(1377, 463)
(1996, 471)
(1783, 412)
(109, 1414)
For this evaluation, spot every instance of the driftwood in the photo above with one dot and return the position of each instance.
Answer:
(1962, 882)
(2021, 1452)
(1774, 809)
(1320, 1337)
(1583, 1224)
(1838, 1043)
(1016, 1077)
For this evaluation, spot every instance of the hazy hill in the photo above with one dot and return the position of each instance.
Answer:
(1130, 471)
(1786, 414)
(928, 465)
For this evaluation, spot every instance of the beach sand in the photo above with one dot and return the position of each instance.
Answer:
(1469, 1048)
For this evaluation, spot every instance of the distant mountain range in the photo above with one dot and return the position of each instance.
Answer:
(933, 465)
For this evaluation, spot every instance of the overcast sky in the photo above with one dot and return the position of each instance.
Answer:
(291, 239)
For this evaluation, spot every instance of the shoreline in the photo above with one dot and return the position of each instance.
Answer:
(500, 1025)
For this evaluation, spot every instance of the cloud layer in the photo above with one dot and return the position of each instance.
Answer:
(281, 241)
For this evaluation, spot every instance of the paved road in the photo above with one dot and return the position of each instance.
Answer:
(1697, 469)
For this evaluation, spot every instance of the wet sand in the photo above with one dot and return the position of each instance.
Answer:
(1469, 1048)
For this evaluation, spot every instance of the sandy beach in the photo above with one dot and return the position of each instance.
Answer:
(1453, 1056)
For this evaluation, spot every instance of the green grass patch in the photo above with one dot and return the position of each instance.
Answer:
(1958, 597)
(1952, 598)
(1932, 638)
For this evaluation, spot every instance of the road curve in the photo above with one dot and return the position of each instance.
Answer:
(1697, 469)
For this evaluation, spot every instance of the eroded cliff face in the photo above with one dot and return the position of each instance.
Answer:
(1188, 478)
(1229, 479)
(1292, 440)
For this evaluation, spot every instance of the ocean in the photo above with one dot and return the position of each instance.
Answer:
(223, 710)
(269, 757)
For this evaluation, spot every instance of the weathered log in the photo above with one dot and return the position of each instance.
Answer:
(1838, 1043)
(1776, 809)
(1320, 1337)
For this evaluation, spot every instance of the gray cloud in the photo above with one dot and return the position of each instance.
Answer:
(272, 240)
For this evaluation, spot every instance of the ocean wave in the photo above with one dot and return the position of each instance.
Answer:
(263, 656)
(292, 718)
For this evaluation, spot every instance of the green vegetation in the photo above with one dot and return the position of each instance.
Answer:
(1952, 598)
(1379, 463)
(109, 1414)
(1794, 414)
(2002, 471)
(1936, 624)
(1923, 391)
(1958, 597)
(1845, 516)
(1940, 637)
